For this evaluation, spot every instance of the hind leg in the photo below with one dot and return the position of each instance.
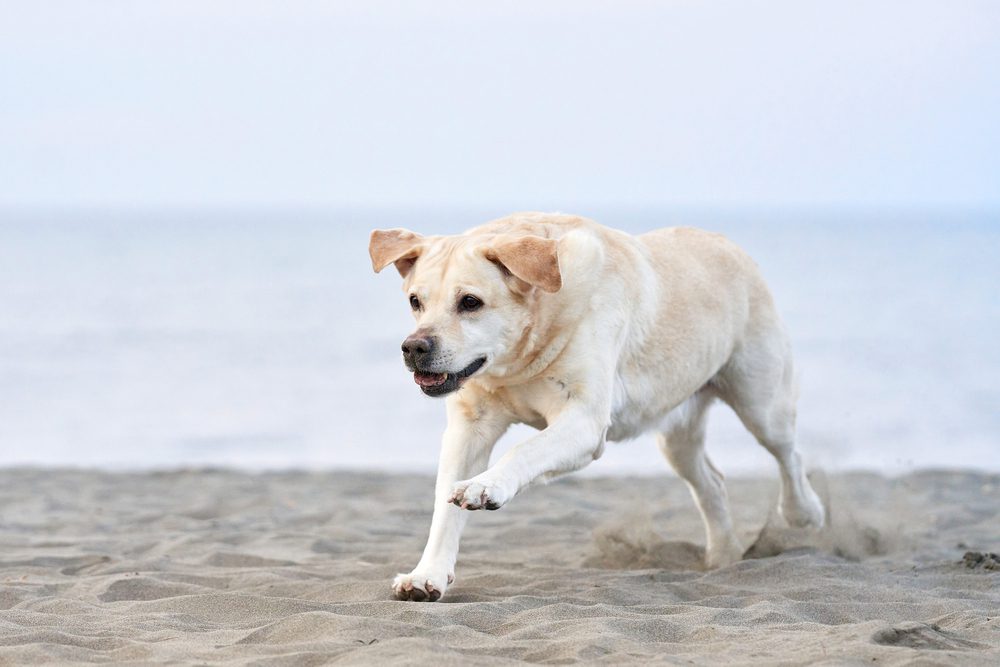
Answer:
(759, 384)
(683, 444)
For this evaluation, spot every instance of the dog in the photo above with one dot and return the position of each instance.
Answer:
(588, 334)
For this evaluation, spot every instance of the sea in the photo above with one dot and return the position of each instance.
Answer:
(261, 339)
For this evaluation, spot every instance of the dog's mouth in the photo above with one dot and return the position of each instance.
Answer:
(439, 384)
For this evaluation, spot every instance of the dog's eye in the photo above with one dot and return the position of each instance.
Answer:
(468, 303)
(414, 302)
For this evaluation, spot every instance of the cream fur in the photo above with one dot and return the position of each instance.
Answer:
(643, 335)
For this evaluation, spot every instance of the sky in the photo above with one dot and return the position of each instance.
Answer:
(536, 105)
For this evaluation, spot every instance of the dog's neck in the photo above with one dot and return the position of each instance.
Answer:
(533, 356)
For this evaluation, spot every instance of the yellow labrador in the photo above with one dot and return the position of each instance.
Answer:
(588, 334)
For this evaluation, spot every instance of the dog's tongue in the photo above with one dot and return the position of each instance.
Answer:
(429, 379)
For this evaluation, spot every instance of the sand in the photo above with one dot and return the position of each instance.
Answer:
(215, 566)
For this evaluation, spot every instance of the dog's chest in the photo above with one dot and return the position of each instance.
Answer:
(525, 405)
(637, 406)
(634, 409)
(627, 422)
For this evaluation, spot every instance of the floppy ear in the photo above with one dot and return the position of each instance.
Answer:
(395, 246)
(531, 259)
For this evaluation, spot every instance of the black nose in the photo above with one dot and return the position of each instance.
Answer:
(417, 348)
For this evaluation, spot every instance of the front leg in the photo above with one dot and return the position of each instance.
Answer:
(473, 429)
(571, 441)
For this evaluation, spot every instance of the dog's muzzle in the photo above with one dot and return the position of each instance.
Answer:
(439, 384)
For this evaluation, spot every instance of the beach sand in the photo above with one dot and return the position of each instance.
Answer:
(215, 566)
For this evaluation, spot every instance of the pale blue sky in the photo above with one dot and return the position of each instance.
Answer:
(558, 104)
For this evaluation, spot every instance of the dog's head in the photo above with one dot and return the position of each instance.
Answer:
(471, 295)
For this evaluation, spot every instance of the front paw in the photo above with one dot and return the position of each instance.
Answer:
(421, 586)
(479, 494)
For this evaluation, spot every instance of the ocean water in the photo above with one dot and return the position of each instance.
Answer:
(136, 339)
